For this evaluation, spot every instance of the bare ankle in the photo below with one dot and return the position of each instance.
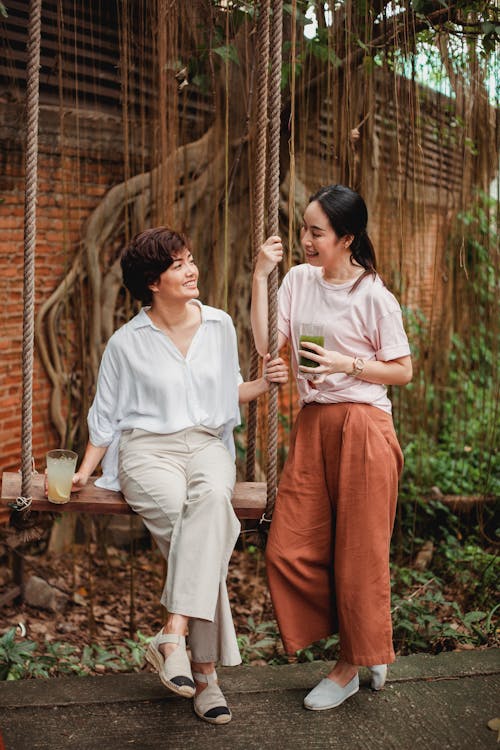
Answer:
(343, 672)
(203, 667)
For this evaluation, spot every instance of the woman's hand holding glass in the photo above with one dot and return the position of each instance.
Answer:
(79, 481)
(329, 362)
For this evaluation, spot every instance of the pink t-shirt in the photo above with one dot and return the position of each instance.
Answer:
(366, 323)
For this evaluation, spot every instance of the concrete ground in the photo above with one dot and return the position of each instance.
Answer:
(431, 702)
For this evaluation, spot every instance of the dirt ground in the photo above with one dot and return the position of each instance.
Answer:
(113, 592)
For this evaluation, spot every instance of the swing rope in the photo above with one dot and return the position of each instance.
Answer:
(270, 37)
(274, 112)
(269, 106)
(23, 503)
(258, 223)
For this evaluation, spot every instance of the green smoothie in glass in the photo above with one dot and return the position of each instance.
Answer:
(313, 332)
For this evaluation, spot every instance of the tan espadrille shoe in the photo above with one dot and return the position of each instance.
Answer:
(175, 669)
(210, 705)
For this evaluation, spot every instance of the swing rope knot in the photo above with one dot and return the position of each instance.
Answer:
(264, 519)
(21, 503)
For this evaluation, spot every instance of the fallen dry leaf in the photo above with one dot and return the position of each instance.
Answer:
(494, 724)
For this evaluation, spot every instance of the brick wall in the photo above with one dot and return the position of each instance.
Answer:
(80, 158)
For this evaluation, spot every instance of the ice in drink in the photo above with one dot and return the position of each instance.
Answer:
(61, 466)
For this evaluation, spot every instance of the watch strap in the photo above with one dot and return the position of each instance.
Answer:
(357, 367)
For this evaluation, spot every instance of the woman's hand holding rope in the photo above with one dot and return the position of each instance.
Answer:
(271, 253)
(274, 370)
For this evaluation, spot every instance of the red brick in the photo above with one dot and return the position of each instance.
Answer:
(70, 186)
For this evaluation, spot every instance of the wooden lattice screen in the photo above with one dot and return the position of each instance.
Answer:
(428, 142)
(80, 62)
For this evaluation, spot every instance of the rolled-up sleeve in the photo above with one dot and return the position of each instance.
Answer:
(103, 414)
(392, 341)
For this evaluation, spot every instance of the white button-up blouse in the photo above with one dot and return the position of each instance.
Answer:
(144, 382)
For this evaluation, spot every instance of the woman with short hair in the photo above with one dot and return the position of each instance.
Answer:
(162, 422)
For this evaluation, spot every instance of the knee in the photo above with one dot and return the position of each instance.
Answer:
(219, 493)
(214, 487)
(213, 500)
(276, 556)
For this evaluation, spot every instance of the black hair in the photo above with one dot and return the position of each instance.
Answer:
(347, 213)
(149, 254)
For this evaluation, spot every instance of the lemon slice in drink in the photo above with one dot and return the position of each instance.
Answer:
(62, 492)
(58, 494)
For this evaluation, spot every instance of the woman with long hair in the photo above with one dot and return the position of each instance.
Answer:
(328, 547)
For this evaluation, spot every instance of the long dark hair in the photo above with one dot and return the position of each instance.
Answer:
(347, 214)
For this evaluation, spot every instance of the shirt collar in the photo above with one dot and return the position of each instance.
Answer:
(142, 319)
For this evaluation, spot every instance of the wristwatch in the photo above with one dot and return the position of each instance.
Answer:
(357, 367)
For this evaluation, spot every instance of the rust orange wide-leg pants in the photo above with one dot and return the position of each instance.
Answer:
(328, 548)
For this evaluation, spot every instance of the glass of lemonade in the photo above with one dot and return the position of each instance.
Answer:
(61, 465)
(314, 332)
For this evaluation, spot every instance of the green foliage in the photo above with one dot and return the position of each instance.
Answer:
(259, 642)
(453, 604)
(491, 36)
(451, 444)
(326, 649)
(471, 570)
(228, 53)
(21, 659)
(14, 656)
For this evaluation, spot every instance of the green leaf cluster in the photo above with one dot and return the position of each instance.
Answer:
(451, 446)
(259, 642)
(20, 659)
(425, 613)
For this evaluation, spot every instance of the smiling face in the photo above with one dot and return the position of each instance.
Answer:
(322, 246)
(179, 283)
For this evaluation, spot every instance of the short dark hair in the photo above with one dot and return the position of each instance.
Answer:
(149, 254)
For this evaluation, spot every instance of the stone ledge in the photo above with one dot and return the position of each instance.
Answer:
(145, 686)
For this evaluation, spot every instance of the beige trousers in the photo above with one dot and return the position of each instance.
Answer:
(181, 485)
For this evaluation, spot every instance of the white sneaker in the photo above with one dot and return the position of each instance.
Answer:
(379, 676)
(329, 694)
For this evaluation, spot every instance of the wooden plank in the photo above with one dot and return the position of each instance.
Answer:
(249, 498)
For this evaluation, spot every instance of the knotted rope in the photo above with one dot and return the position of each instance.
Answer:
(258, 224)
(274, 113)
(31, 167)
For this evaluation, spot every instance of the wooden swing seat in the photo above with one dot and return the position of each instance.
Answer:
(249, 498)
